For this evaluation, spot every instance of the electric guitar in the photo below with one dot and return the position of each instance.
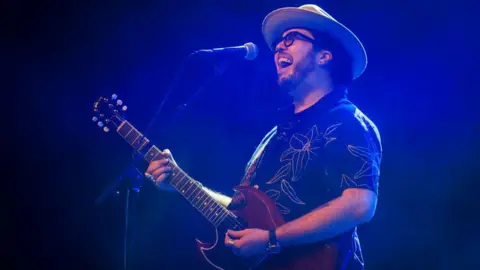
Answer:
(257, 210)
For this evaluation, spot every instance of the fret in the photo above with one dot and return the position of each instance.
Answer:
(206, 203)
(124, 129)
(231, 221)
(128, 133)
(206, 209)
(196, 189)
(196, 199)
(177, 173)
(152, 154)
(217, 211)
(140, 143)
(199, 199)
(218, 220)
(178, 180)
(157, 152)
(186, 190)
(132, 136)
(214, 216)
(213, 210)
(134, 142)
(145, 142)
(203, 201)
(189, 183)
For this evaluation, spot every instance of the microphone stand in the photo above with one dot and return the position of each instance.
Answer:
(219, 68)
(131, 179)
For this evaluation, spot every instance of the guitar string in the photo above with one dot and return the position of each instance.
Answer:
(216, 205)
(227, 215)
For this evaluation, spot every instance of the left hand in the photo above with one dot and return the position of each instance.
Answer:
(247, 242)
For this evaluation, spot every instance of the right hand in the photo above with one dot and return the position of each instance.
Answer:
(160, 171)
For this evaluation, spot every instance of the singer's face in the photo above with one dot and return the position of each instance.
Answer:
(294, 58)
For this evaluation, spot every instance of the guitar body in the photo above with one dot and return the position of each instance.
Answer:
(259, 211)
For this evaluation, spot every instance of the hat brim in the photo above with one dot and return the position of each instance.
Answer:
(280, 20)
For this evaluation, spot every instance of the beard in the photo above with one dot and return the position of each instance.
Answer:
(290, 82)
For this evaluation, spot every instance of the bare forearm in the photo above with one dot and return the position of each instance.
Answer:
(224, 200)
(338, 216)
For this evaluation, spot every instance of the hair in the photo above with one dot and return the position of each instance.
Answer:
(341, 66)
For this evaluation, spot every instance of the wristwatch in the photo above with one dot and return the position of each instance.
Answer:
(273, 244)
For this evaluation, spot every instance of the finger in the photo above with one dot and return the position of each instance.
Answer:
(166, 153)
(160, 171)
(228, 241)
(161, 177)
(236, 234)
(156, 164)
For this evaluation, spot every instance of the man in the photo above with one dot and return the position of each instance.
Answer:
(320, 163)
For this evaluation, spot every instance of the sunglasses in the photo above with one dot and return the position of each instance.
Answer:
(289, 38)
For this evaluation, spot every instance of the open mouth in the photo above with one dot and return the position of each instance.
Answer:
(284, 61)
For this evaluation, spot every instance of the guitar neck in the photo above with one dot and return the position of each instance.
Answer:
(190, 189)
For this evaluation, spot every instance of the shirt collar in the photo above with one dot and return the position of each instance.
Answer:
(287, 113)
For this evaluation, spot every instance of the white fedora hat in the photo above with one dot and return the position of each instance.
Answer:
(313, 17)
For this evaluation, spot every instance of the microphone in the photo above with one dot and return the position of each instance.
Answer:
(249, 51)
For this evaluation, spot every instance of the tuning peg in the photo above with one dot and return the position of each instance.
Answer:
(114, 96)
(106, 129)
(119, 102)
(124, 108)
(94, 119)
(100, 124)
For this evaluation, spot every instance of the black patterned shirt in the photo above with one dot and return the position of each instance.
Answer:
(311, 157)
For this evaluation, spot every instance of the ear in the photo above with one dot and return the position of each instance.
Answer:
(323, 57)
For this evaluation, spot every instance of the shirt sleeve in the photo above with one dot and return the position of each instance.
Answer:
(353, 152)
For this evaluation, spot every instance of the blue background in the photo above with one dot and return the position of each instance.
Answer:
(419, 88)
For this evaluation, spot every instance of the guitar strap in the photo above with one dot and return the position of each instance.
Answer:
(253, 162)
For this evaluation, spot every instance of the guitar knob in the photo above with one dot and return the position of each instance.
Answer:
(114, 96)
(124, 108)
(119, 102)
(100, 124)
(106, 129)
(94, 119)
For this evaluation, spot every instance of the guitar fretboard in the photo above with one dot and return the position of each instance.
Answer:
(191, 189)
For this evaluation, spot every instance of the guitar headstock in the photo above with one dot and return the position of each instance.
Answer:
(109, 112)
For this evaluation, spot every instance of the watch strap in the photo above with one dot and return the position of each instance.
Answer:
(272, 237)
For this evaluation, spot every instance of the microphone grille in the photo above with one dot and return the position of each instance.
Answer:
(252, 51)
